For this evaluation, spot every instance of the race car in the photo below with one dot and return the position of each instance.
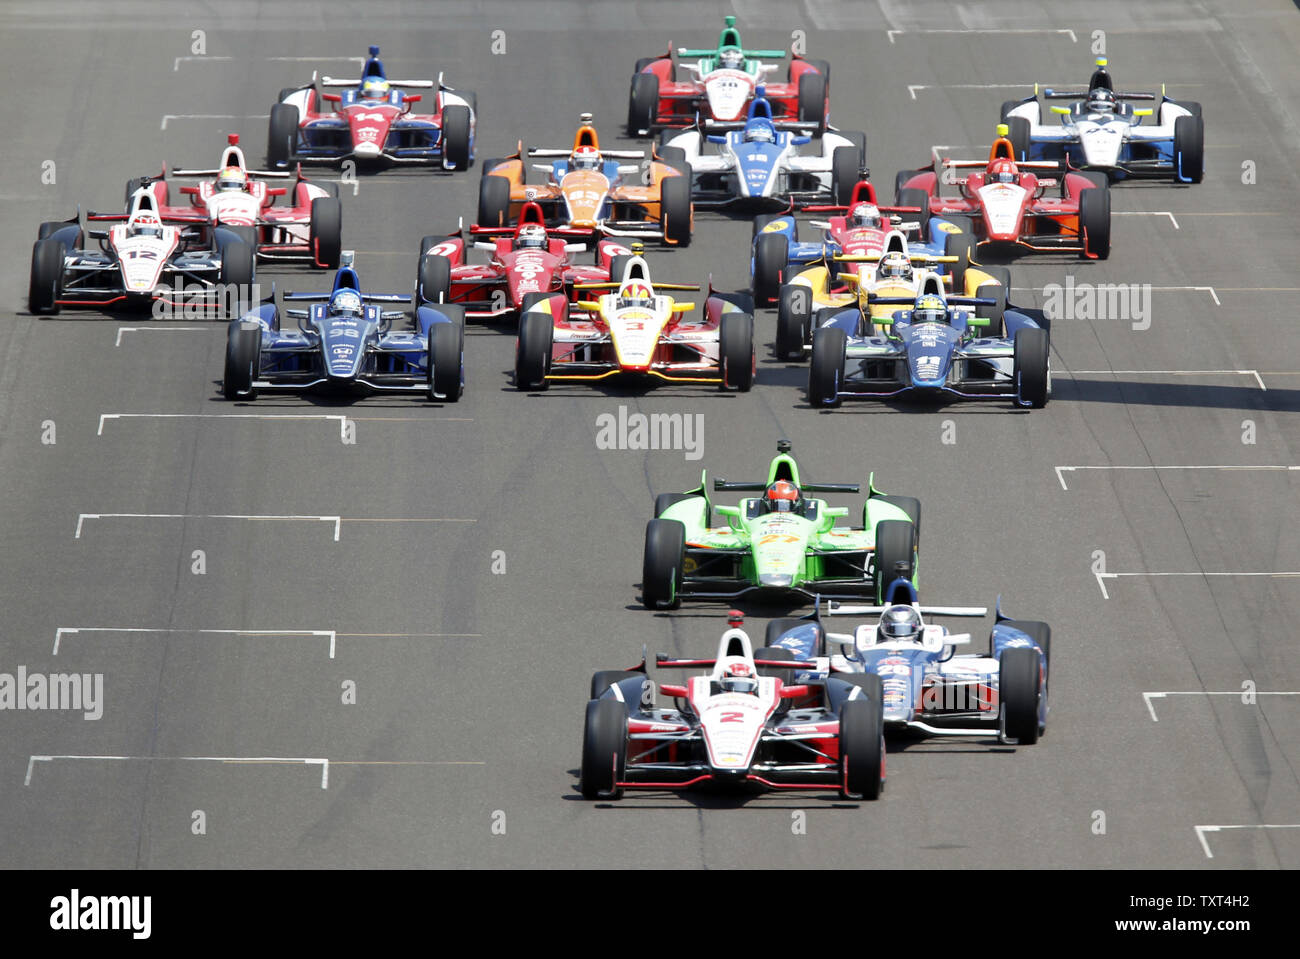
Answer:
(1009, 206)
(345, 343)
(929, 688)
(140, 260)
(372, 120)
(869, 280)
(309, 227)
(938, 346)
(635, 329)
(1104, 130)
(721, 84)
(757, 167)
(528, 261)
(741, 724)
(777, 546)
(589, 192)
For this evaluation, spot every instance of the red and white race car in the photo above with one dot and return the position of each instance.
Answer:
(528, 261)
(309, 226)
(1008, 204)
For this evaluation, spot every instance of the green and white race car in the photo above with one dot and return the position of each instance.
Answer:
(778, 544)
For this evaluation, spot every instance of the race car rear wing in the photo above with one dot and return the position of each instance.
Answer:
(612, 154)
(365, 297)
(1023, 165)
(834, 608)
(664, 662)
(747, 54)
(723, 484)
(413, 84)
(1083, 95)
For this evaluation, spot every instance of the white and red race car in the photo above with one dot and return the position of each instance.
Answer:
(308, 226)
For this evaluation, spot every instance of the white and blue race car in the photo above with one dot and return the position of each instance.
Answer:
(345, 343)
(1105, 130)
(758, 166)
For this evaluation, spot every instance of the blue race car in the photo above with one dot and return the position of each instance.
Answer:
(928, 687)
(372, 120)
(344, 342)
(937, 346)
(758, 167)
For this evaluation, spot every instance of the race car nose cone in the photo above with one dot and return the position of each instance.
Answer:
(366, 151)
(781, 580)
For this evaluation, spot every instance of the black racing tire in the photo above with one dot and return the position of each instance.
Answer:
(446, 361)
(1096, 177)
(494, 201)
(1040, 633)
(1007, 107)
(915, 196)
(812, 100)
(771, 256)
(962, 246)
(455, 136)
(1189, 144)
(895, 554)
(777, 627)
(132, 185)
(793, 321)
(1019, 689)
(433, 282)
(238, 270)
(859, 140)
(786, 676)
(602, 680)
(604, 749)
(282, 135)
(642, 103)
(862, 746)
(675, 157)
(533, 351)
(1094, 221)
(675, 209)
(1032, 355)
(760, 221)
(736, 351)
(642, 63)
(991, 291)
(327, 232)
(663, 564)
(487, 166)
(909, 505)
(821, 66)
(826, 369)
(1190, 106)
(46, 278)
(664, 501)
(243, 358)
(1018, 134)
(844, 173)
(286, 92)
(617, 264)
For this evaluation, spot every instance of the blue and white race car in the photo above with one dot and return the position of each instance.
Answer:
(344, 342)
(1103, 130)
(928, 687)
(938, 346)
(758, 167)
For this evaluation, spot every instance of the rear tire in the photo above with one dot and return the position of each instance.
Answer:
(533, 351)
(642, 104)
(663, 563)
(771, 254)
(793, 319)
(862, 745)
(243, 356)
(1189, 146)
(736, 351)
(46, 278)
(675, 209)
(446, 362)
(1094, 221)
(604, 749)
(826, 370)
(282, 135)
(493, 201)
(1019, 688)
(1032, 376)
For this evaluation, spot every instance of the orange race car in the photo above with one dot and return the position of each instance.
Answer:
(588, 191)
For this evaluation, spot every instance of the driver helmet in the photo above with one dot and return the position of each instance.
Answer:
(929, 309)
(894, 266)
(731, 59)
(782, 497)
(900, 623)
(760, 133)
(865, 215)
(146, 224)
(1003, 171)
(346, 303)
(585, 158)
(738, 677)
(635, 293)
(232, 178)
(531, 236)
(1101, 100)
(374, 88)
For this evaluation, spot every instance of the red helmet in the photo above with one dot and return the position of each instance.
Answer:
(1002, 171)
(782, 497)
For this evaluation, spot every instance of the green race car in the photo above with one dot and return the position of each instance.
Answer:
(777, 544)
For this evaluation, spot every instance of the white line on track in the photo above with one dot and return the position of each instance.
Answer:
(159, 329)
(1148, 696)
(211, 116)
(337, 521)
(1214, 295)
(176, 63)
(1255, 373)
(1062, 470)
(62, 631)
(1281, 574)
(1202, 830)
(1147, 213)
(1069, 33)
(341, 420)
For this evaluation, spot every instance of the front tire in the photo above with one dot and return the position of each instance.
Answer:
(812, 100)
(771, 253)
(1094, 222)
(1032, 370)
(862, 742)
(433, 283)
(793, 320)
(675, 210)
(1019, 688)
(604, 749)
(642, 103)
(895, 554)
(46, 278)
(326, 232)
(915, 196)
(455, 136)
(826, 371)
(493, 201)
(1189, 147)
(844, 173)
(243, 355)
(446, 362)
(533, 351)
(282, 134)
(663, 564)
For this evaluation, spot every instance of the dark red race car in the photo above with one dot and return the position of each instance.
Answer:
(527, 262)
(720, 85)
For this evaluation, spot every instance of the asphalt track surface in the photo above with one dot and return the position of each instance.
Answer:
(470, 685)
